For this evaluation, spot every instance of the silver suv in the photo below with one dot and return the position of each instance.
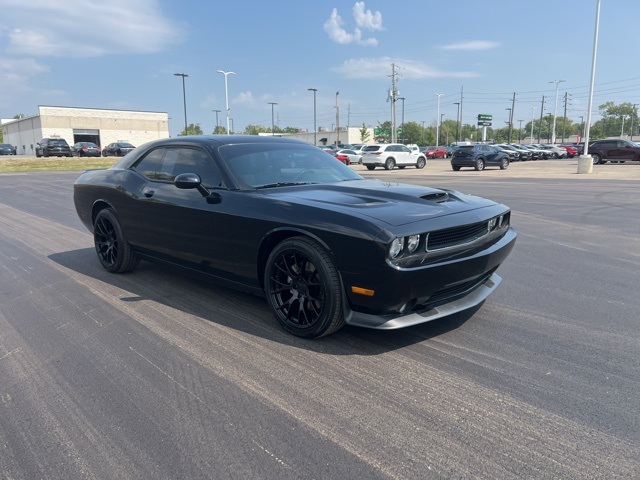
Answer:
(390, 155)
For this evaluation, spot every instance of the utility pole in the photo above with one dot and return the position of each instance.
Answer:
(633, 114)
(402, 123)
(513, 105)
(460, 114)
(520, 132)
(532, 113)
(540, 122)
(393, 95)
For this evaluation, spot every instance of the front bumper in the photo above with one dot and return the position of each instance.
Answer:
(428, 314)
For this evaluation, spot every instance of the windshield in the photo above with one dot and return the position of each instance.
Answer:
(262, 165)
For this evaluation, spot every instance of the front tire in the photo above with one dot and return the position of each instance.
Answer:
(504, 164)
(597, 158)
(114, 252)
(371, 167)
(480, 164)
(303, 288)
(421, 163)
(456, 168)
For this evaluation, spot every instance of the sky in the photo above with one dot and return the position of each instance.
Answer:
(123, 54)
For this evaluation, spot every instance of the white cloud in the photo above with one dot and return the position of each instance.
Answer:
(378, 68)
(18, 70)
(86, 28)
(471, 45)
(364, 20)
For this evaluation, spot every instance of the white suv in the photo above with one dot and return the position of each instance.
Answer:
(390, 155)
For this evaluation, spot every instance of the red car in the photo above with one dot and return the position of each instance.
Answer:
(343, 158)
(435, 152)
(571, 149)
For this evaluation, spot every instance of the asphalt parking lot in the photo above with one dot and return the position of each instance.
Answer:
(156, 374)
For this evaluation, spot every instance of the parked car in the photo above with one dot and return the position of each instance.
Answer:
(85, 149)
(514, 153)
(7, 149)
(390, 155)
(53, 147)
(348, 157)
(556, 151)
(479, 156)
(525, 153)
(571, 149)
(435, 152)
(117, 149)
(536, 153)
(613, 150)
(325, 246)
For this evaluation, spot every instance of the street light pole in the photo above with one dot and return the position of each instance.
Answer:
(509, 123)
(217, 111)
(622, 131)
(272, 123)
(555, 110)
(402, 124)
(337, 121)
(441, 117)
(437, 125)
(315, 129)
(226, 94)
(532, 110)
(520, 132)
(184, 99)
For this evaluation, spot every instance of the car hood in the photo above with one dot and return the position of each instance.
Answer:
(392, 203)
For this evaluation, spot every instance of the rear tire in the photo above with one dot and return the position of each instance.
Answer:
(455, 168)
(114, 252)
(504, 164)
(597, 158)
(480, 164)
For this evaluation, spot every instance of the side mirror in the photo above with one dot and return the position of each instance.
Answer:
(186, 181)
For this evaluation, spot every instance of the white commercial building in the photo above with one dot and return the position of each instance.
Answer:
(99, 126)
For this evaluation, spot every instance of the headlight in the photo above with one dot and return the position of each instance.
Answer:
(396, 247)
(412, 243)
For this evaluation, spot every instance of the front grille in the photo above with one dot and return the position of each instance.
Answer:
(452, 237)
(450, 293)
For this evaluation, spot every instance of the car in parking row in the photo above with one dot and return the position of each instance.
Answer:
(391, 155)
(479, 156)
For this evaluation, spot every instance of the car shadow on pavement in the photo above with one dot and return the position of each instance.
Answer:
(244, 312)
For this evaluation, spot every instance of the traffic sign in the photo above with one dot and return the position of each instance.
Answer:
(484, 124)
(484, 117)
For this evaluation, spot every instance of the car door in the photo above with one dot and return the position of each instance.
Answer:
(181, 225)
(405, 156)
(624, 151)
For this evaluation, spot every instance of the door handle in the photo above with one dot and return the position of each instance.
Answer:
(148, 193)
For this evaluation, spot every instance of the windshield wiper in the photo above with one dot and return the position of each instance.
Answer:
(282, 184)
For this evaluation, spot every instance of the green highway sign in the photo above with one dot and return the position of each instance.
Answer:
(484, 124)
(484, 117)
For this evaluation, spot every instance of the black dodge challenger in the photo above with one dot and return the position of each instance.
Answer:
(281, 218)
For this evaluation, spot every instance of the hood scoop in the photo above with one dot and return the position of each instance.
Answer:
(437, 197)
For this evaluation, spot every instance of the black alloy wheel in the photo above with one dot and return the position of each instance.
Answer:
(114, 252)
(303, 288)
(480, 164)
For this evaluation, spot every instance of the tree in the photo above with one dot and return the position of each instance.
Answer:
(612, 118)
(411, 133)
(219, 130)
(255, 129)
(192, 129)
(364, 133)
(382, 133)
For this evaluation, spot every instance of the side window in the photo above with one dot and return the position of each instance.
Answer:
(191, 160)
(151, 165)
